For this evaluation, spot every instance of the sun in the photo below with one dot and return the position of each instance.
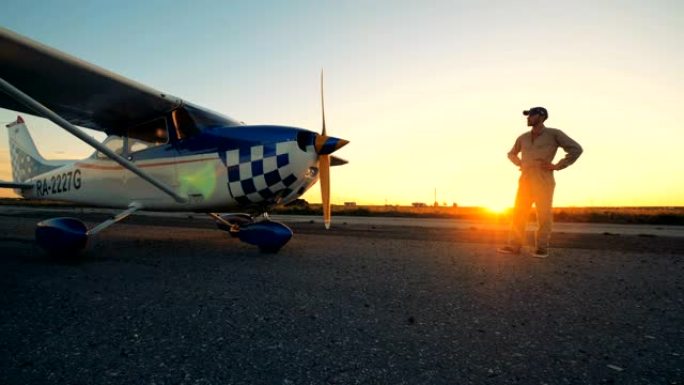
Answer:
(497, 209)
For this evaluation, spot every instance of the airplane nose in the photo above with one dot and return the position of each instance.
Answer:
(325, 145)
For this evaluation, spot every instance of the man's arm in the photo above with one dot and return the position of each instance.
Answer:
(572, 150)
(513, 154)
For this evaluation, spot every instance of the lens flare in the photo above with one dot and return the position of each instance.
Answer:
(201, 180)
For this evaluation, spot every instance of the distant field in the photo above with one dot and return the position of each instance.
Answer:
(621, 215)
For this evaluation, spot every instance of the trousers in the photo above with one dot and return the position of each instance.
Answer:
(535, 186)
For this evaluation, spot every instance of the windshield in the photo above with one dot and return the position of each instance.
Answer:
(190, 120)
(205, 118)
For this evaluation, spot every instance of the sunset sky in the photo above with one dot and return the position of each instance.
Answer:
(429, 93)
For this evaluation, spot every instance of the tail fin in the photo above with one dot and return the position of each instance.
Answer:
(26, 160)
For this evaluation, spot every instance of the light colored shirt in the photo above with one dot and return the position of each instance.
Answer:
(542, 149)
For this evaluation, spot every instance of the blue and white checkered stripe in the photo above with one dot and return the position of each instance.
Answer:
(259, 173)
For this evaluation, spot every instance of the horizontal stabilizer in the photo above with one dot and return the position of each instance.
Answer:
(23, 186)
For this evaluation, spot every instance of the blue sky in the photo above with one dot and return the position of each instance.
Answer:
(429, 93)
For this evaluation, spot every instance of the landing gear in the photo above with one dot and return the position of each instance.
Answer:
(269, 236)
(232, 222)
(67, 237)
(62, 237)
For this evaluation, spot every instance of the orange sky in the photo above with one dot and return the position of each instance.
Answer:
(430, 95)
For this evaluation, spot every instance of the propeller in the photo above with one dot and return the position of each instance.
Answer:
(325, 145)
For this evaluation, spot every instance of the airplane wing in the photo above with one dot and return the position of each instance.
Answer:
(80, 92)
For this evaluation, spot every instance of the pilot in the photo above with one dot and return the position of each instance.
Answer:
(537, 148)
(160, 135)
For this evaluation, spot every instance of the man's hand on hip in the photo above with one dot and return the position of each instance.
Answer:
(549, 166)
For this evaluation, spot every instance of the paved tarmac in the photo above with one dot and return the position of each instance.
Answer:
(172, 300)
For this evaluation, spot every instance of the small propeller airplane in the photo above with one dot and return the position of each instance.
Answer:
(161, 153)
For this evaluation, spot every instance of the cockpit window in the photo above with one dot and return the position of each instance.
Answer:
(135, 145)
(114, 143)
(151, 134)
(154, 132)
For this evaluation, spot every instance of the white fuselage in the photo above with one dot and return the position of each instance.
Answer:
(204, 179)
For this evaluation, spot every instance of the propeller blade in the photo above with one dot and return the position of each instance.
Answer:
(322, 104)
(335, 161)
(324, 180)
(324, 164)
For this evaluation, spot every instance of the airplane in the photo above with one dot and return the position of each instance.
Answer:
(161, 153)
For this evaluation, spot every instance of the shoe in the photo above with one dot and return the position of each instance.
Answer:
(509, 250)
(541, 252)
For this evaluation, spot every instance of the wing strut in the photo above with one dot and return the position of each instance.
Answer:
(16, 185)
(58, 120)
(133, 207)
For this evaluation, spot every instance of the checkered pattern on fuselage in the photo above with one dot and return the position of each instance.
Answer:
(259, 173)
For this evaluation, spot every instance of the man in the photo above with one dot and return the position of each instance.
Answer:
(536, 184)
(160, 136)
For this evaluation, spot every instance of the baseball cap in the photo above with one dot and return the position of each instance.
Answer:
(537, 110)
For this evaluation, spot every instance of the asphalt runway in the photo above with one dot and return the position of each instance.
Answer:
(172, 300)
